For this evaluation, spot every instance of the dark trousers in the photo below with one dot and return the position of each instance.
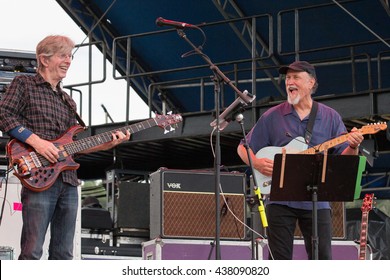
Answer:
(282, 221)
(55, 207)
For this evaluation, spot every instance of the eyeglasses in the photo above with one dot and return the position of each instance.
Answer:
(64, 56)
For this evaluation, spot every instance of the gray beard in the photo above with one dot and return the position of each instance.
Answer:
(294, 101)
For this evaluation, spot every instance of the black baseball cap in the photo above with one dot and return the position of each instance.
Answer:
(301, 66)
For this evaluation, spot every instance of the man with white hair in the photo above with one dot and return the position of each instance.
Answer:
(35, 110)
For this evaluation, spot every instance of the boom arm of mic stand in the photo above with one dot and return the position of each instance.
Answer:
(245, 97)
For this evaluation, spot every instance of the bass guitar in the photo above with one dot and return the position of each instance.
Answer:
(298, 146)
(366, 208)
(38, 174)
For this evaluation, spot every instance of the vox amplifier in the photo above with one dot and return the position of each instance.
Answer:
(182, 205)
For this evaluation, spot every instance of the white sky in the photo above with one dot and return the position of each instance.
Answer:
(26, 22)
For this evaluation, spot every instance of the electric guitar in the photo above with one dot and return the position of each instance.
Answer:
(298, 146)
(38, 174)
(366, 208)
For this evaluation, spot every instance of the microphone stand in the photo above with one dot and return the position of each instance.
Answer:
(107, 114)
(257, 199)
(243, 98)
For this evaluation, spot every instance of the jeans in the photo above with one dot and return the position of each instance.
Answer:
(57, 207)
(282, 221)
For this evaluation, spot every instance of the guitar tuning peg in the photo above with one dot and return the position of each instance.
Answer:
(169, 113)
(168, 129)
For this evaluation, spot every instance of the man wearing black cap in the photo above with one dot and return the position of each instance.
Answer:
(277, 127)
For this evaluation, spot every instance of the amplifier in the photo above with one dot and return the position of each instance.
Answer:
(182, 204)
(133, 206)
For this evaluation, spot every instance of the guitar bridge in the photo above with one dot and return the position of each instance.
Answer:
(22, 167)
(25, 164)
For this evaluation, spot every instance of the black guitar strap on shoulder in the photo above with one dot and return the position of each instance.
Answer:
(81, 122)
(310, 124)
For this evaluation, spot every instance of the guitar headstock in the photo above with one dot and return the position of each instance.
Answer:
(168, 122)
(367, 202)
(373, 128)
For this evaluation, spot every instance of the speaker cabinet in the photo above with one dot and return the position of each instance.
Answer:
(182, 205)
(133, 205)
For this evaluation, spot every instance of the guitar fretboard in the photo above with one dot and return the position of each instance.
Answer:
(96, 140)
(368, 129)
(326, 145)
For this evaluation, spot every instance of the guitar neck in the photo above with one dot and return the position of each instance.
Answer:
(363, 236)
(326, 145)
(368, 129)
(99, 139)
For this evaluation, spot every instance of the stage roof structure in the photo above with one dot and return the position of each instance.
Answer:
(172, 68)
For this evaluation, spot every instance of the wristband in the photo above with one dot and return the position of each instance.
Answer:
(354, 148)
(20, 132)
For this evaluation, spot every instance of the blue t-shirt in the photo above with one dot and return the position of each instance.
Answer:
(281, 124)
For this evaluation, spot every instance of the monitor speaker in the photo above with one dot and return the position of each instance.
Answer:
(182, 205)
(133, 205)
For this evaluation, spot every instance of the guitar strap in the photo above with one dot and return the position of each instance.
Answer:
(310, 124)
(81, 122)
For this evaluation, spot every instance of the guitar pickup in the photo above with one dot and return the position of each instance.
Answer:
(35, 160)
(267, 183)
(62, 156)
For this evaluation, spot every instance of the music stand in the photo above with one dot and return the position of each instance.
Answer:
(318, 177)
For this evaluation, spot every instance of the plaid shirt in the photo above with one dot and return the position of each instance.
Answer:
(30, 101)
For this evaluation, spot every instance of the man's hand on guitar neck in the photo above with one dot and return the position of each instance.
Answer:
(43, 147)
(355, 137)
(117, 138)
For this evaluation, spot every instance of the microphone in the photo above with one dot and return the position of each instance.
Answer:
(104, 108)
(107, 113)
(239, 117)
(236, 107)
(388, 131)
(177, 24)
